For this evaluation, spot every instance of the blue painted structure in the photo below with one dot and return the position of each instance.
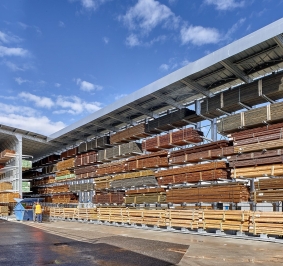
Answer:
(23, 214)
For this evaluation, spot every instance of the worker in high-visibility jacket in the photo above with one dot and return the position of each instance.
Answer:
(38, 212)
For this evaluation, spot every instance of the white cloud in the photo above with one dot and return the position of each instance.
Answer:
(20, 81)
(5, 38)
(106, 40)
(92, 5)
(148, 14)
(74, 105)
(38, 124)
(225, 4)
(39, 101)
(25, 26)
(132, 40)
(87, 86)
(61, 24)
(16, 109)
(57, 85)
(164, 67)
(234, 28)
(199, 35)
(6, 51)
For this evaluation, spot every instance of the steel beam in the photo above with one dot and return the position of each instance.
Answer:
(168, 100)
(279, 40)
(142, 110)
(105, 126)
(236, 71)
(121, 119)
(196, 87)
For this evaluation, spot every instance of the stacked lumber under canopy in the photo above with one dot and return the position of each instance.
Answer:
(249, 94)
(7, 155)
(270, 223)
(4, 210)
(129, 134)
(82, 187)
(111, 168)
(251, 118)
(109, 198)
(134, 182)
(209, 151)
(6, 186)
(102, 183)
(66, 164)
(169, 121)
(86, 159)
(43, 181)
(270, 190)
(69, 153)
(86, 171)
(64, 174)
(8, 197)
(172, 139)
(119, 151)
(183, 218)
(219, 193)
(145, 195)
(224, 220)
(133, 174)
(65, 198)
(152, 160)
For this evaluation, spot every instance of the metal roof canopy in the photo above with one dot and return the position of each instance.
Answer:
(242, 61)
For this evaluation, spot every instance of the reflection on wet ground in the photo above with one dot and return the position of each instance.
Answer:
(25, 245)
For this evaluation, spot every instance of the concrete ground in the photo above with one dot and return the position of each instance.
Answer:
(94, 244)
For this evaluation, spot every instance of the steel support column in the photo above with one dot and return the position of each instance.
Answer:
(19, 152)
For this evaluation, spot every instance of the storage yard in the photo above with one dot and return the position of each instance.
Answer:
(199, 151)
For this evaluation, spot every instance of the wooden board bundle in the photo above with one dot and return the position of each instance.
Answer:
(192, 168)
(7, 155)
(251, 118)
(101, 183)
(221, 193)
(172, 139)
(4, 210)
(148, 217)
(269, 183)
(213, 150)
(6, 186)
(133, 174)
(86, 171)
(270, 223)
(267, 145)
(183, 218)
(113, 214)
(65, 198)
(258, 171)
(267, 195)
(256, 162)
(111, 168)
(152, 160)
(134, 182)
(193, 177)
(249, 94)
(144, 190)
(109, 198)
(82, 187)
(57, 189)
(129, 134)
(169, 121)
(66, 164)
(148, 198)
(8, 197)
(69, 153)
(123, 150)
(86, 159)
(224, 220)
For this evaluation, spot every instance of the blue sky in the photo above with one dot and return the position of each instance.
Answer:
(62, 60)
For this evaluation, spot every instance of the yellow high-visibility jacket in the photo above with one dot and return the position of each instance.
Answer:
(38, 209)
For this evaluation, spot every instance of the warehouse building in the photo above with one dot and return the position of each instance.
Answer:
(199, 149)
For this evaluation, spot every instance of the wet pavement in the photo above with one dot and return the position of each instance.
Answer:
(28, 245)
(74, 243)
